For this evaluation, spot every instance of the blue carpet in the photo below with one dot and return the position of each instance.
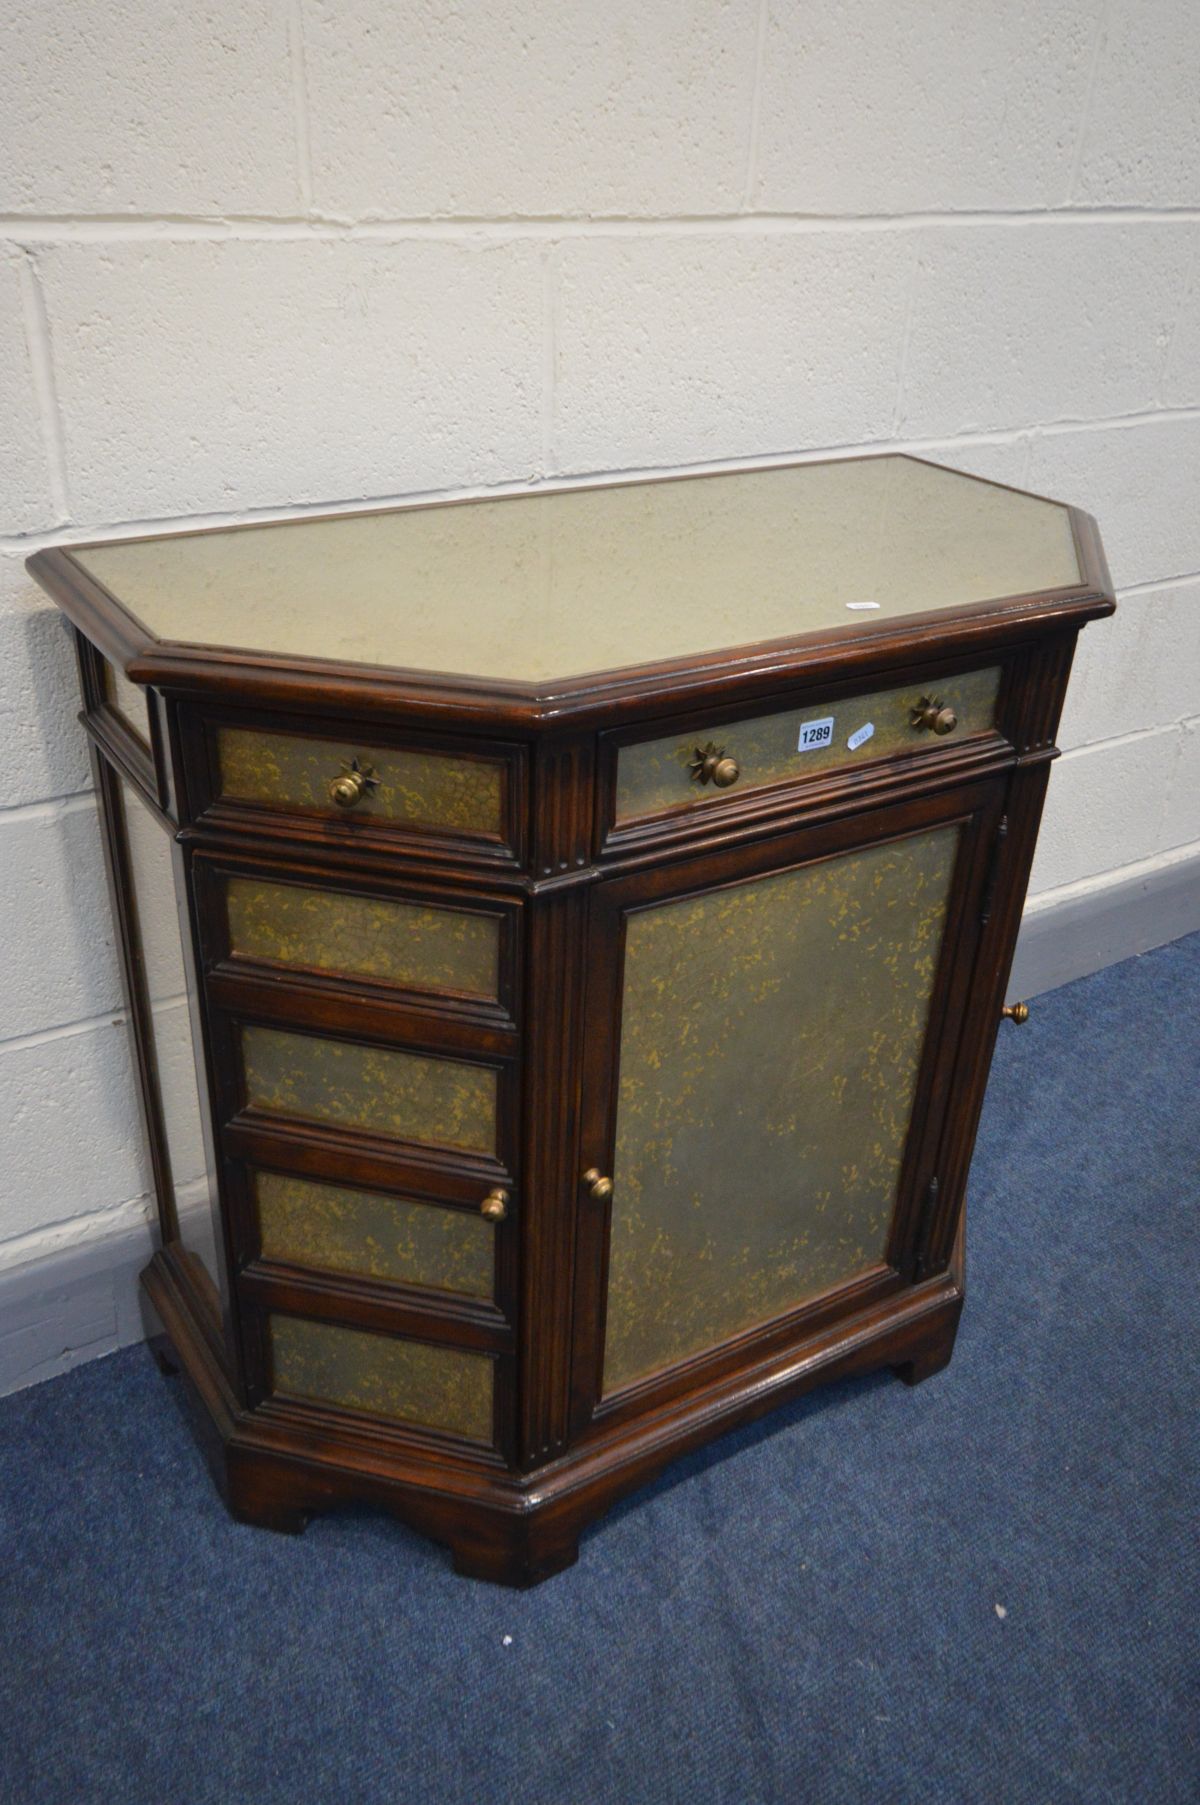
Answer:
(981, 1589)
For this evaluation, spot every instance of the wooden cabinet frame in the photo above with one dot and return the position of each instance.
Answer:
(559, 879)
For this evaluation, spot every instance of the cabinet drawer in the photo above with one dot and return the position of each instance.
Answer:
(402, 787)
(411, 1097)
(385, 940)
(383, 1375)
(711, 763)
(370, 1234)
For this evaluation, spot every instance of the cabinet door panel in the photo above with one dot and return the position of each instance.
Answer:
(774, 1012)
(771, 1035)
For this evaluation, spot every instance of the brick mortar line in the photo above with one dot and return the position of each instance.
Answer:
(482, 228)
(1085, 120)
(41, 361)
(550, 290)
(1155, 583)
(753, 136)
(300, 113)
(74, 532)
(1124, 739)
(1181, 313)
(108, 1222)
(906, 333)
(1082, 886)
(48, 808)
(115, 1017)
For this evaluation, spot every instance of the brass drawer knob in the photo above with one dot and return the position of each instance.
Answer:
(933, 716)
(600, 1189)
(356, 781)
(1016, 1013)
(495, 1206)
(712, 765)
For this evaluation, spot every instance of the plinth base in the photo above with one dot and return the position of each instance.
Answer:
(516, 1529)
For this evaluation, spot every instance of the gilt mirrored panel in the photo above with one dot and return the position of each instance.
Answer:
(339, 1228)
(588, 578)
(654, 775)
(439, 1102)
(407, 788)
(383, 1375)
(415, 945)
(771, 1033)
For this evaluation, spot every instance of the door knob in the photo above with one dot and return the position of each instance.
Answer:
(1016, 1013)
(356, 781)
(934, 716)
(600, 1189)
(712, 765)
(495, 1206)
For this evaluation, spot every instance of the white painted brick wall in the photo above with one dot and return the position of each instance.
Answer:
(1139, 478)
(53, 896)
(203, 377)
(1141, 138)
(426, 107)
(927, 105)
(24, 459)
(1055, 321)
(45, 754)
(73, 1141)
(673, 349)
(135, 108)
(273, 253)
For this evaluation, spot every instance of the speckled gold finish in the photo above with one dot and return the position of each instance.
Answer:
(127, 699)
(770, 1041)
(655, 774)
(338, 1229)
(438, 1387)
(429, 789)
(390, 942)
(443, 1102)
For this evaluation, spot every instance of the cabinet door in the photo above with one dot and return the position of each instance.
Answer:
(770, 1056)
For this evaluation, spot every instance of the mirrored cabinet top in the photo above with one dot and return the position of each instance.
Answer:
(559, 583)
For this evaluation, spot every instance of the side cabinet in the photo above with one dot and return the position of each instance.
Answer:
(521, 1181)
(542, 1073)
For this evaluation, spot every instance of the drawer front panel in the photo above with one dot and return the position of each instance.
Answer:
(407, 1381)
(366, 1233)
(654, 776)
(406, 788)
(415, 945)
(379, 1090)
